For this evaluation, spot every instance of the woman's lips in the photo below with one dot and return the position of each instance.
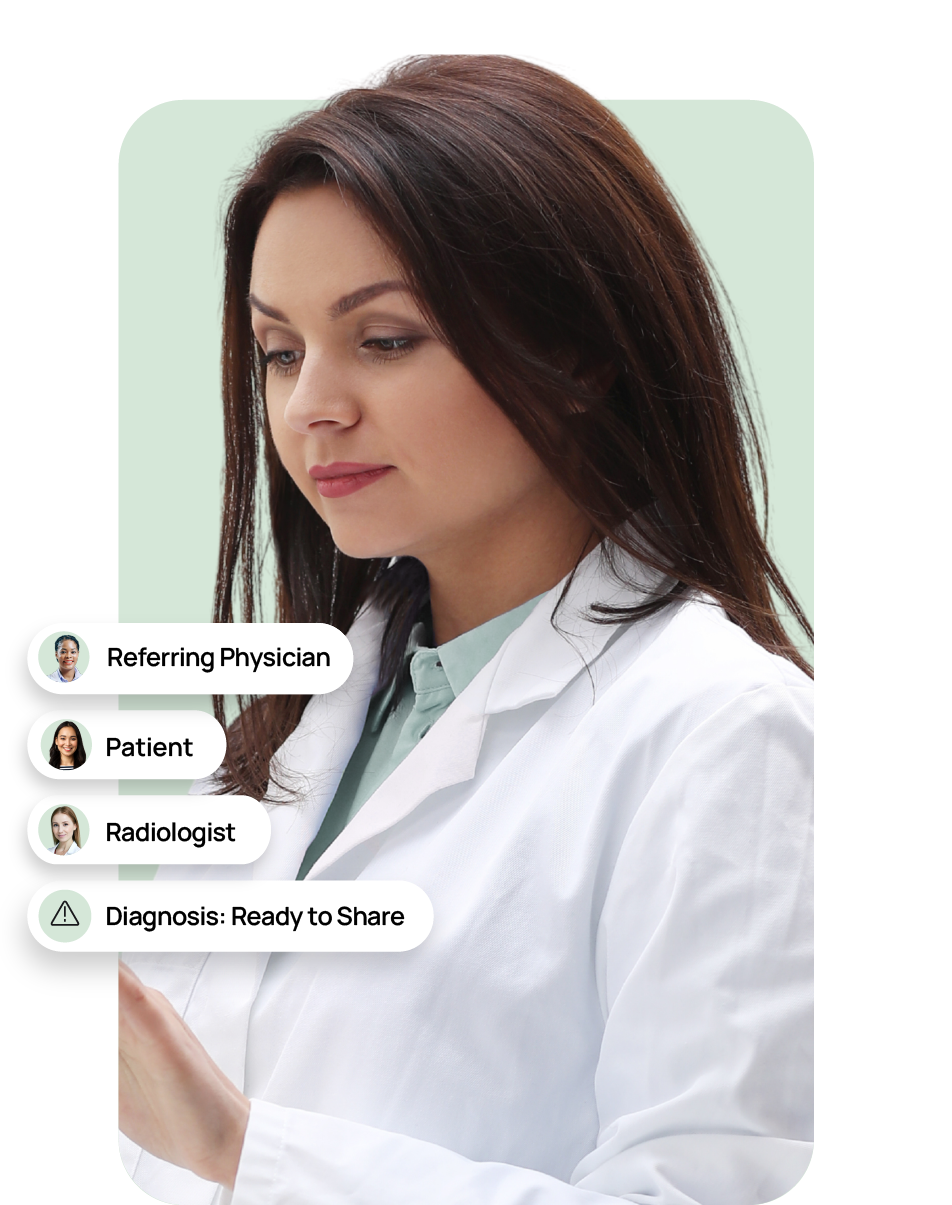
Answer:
(341, 478)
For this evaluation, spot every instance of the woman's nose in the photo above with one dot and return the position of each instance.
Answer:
(322, 395)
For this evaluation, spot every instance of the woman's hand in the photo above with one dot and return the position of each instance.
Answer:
(173, 1100)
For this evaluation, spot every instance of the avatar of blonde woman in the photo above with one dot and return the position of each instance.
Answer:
(65, 828)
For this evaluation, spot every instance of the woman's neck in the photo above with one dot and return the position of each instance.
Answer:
(66, 759)
(68, 674)
(61, 848)
(469, 586)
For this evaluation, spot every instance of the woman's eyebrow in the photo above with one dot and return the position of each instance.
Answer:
(351, 301)
(267, 310)
(343, 305)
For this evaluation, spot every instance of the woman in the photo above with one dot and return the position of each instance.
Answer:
(66, 649)
(67, 751)
(507, 449)
(65, 828)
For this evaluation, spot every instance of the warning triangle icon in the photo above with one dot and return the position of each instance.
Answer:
(65, 915)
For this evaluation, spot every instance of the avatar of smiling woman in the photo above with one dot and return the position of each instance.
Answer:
(65, 828)
(67, 751)
(67, 656)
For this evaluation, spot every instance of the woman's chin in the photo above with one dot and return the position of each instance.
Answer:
(366, 545)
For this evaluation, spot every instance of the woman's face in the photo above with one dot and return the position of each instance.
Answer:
(66, 656)
(66, 740)
(381, 428)
(63, 828)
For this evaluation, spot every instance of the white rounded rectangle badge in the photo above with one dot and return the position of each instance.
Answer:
(214, 915)
(68, 744)
(198, 830)
(190, 658)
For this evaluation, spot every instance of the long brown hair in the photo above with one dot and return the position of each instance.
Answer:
(548, 254)
(79, 757)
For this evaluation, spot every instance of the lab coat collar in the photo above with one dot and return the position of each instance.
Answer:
(313, 759)
(560, 638)
(537, 661)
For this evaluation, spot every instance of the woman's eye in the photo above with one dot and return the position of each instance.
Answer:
(283, 363)
(389, 347)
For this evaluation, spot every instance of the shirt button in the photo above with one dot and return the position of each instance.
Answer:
(439, 665)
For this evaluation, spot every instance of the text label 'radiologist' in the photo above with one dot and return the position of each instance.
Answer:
(141, 830)
(76, 658)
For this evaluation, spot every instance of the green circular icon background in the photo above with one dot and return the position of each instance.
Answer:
(47, 656)
(65, 915)
(46, 832)
(46, 740)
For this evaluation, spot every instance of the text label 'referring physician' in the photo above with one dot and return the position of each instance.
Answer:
(191, 658)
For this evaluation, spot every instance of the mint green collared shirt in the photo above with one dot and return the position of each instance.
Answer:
(437, 676)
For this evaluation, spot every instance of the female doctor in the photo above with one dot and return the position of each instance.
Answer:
(506, 448)
(65, 829)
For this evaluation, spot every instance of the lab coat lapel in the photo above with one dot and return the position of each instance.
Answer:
(536, 662)
(446, 756)
(314, 757)
(541, 657)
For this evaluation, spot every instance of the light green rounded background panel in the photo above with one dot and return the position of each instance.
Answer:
(47, 738)
(47, 656)
(46, 833)
(742, 171)
(826, 222)
(174, 167)
(65, 915)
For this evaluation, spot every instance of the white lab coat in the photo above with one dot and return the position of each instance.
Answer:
(613, 825)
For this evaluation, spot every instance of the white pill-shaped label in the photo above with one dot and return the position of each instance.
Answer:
(226, 915)
(190, 658)
(69, 744)
(141, 830)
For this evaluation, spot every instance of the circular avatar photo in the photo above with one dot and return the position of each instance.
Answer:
(63, 830)
(64, 657)
(66, 745)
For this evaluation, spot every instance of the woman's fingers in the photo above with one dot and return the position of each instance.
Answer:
(173, 1099)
